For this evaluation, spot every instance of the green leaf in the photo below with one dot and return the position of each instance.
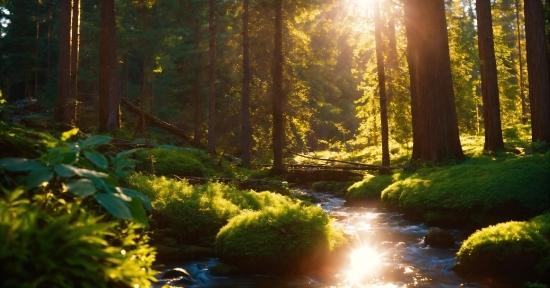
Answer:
(125, 154)
(20, 164)
(138, 213)
(136, 194)
(90, 173)
(81, 187)
(68, 134)
(114, 205)
(65, 158)
(64, 170)
(39, 176)
(97, 158)
(95, 140)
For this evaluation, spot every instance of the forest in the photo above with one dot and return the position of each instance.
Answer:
(179, 126)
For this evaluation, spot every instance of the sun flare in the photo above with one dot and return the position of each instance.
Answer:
(364, 263)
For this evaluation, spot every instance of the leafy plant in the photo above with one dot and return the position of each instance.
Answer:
(79, 169)
(68, 246)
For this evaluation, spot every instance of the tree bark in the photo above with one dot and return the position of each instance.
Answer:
(211, 147)
(278, 97)
(537, 67)
(109, 114)
(75, 45)
(245, 111)
(435, 124)
(64, 63)
(489, 84)
(381, 85)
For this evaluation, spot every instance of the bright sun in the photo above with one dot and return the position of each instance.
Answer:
(364, 262)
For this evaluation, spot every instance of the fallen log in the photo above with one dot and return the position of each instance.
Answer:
(157, 122)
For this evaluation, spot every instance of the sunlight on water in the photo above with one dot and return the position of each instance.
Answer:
(364, 264)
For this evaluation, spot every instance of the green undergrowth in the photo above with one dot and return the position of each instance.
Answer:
(281, 239)
(195, 214)
(19, 141)
(369, 189)
(478, 192)
(69, 247)
(178, 161)
(521, 249)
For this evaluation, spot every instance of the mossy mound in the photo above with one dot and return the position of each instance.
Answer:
(195, 214)
(476, 193)
(178, 161)
(519, 250)
(290, 239)
(368, 190)
(17, 141)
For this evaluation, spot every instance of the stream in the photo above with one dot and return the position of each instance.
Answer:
(392, 254)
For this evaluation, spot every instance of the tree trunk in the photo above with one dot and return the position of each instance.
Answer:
(197, 90)
(64, 63)
(211, 147)
(75, 45)
(524, 108)
(537, 67)
(381, 85)
(109, 116)
(489, 84)
(435, 124)
(278, 97)
(245, 111)
(48, 65)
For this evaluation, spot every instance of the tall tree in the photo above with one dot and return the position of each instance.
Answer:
(245, 109)
(435, 125)
(63, 112)
(537, 67)
(381, 86)
(489, 84)
(524, 109)
(75, 45)
(211, 148)
(278, 97)
(109, 114)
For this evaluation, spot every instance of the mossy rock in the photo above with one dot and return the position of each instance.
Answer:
(517, 250)
(175, 161)
(222, 269)
(439, 238)
(282, 240)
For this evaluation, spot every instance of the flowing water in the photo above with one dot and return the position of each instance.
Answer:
(391, 254)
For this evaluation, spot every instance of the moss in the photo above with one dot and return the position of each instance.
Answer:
(195, 214)
(278, 239)
(367, 190)
(514, 248)
(180, 162)
(22, 142)
(479, 192)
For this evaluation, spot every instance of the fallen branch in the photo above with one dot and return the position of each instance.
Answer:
(157, 122)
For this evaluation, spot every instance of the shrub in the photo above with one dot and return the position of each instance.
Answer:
(514, 248)
(369, 189)
(479, 192)
(279, 239)
(195, 214)
(68, 247)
